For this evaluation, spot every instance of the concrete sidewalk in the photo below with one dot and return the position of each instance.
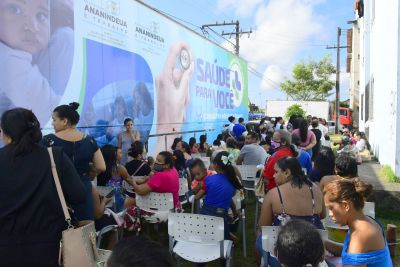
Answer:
(369, 172)
(386, 195)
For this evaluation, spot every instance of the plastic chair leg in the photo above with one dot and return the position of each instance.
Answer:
(256, 216)
(244, 234)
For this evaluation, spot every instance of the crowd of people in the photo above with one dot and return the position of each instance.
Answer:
(302, 180)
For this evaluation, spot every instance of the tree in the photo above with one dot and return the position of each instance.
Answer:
(296, 110)
(311, 81)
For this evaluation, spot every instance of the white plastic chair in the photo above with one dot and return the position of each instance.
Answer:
(270, 236)
(237, 199)
(184, 190)
(196, 156)
(159, 203)
(207, 161)
(198, 238)
(248, 173)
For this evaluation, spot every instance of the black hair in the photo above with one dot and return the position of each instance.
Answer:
(346, 166)
(220, 137)
(231, 142)
(203, 139)
(325, 162)
(217, 142)
(110, 157)
(139, 251)
(22, 126)
(176, 141)
(68, 112)
(298, 244)
(295, 140)
(241, 120)
(228, 169)
(192, 142)
(127, 120)
(168, 158)
(136, 149)
(254, 136)
(298, 178)
(186, 147)
(197, 162)
(303, 130)
(277, 119)
(231, 118)
(179, 160)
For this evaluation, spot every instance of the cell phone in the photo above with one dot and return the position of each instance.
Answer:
(111, 194)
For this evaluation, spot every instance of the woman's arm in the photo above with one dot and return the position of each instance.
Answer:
(266, 210)
(312, 143)
(136, 136)
(98, 161)
(99, 205)
(141, 189)
(122, 172)
(333, 247)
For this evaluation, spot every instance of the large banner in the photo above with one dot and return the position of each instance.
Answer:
(118, 59)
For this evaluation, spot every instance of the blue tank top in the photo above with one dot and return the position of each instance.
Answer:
(377, 258)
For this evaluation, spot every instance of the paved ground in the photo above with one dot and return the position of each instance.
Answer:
(369, 171)
(386, 195)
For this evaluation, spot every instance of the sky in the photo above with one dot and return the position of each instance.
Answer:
(285, 32)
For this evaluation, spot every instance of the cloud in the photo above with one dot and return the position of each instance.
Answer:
(240, 7)
(272, 78)
(282, 29)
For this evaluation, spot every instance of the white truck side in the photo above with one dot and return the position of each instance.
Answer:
(278, 108)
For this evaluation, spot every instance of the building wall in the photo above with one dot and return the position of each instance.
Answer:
(379, 74)
(355, 75)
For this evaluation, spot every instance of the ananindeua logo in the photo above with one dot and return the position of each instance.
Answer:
(236, 82)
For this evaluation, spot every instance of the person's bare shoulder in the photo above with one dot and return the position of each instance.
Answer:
(368, 237)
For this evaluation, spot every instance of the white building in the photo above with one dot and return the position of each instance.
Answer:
(379, 94)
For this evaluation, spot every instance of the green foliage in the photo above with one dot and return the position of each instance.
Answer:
(344, 104)
(387, 173)
(295, 109)
(311, 80)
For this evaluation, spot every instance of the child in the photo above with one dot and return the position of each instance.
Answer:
(26, 47)
(199, 173)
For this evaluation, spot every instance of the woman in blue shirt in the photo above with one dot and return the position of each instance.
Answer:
(365, 243)
(220, 188)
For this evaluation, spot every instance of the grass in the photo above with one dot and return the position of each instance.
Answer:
(390, 217)
(384, 216)
(387, 173)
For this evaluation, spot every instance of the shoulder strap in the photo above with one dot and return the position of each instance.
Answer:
(313, 201)
(280, 198)
(58, 187)
(138, 169)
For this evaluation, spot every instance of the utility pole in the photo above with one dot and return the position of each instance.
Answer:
(238, 32)
(337, 102)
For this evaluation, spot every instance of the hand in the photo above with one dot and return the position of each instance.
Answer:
(172, 87)
(107, 200)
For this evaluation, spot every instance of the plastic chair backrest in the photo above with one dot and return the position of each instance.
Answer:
(155, 201)
(183, 187)
(248, 172)
(323, 234)
(207, 161)
(196, 156)
(269, 237)
(196, 228)
(369, 209)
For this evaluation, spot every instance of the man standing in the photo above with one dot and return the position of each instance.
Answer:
(252, 153)
(239, 128)
(231, 120)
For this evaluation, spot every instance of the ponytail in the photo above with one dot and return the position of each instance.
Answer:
(224, 161)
